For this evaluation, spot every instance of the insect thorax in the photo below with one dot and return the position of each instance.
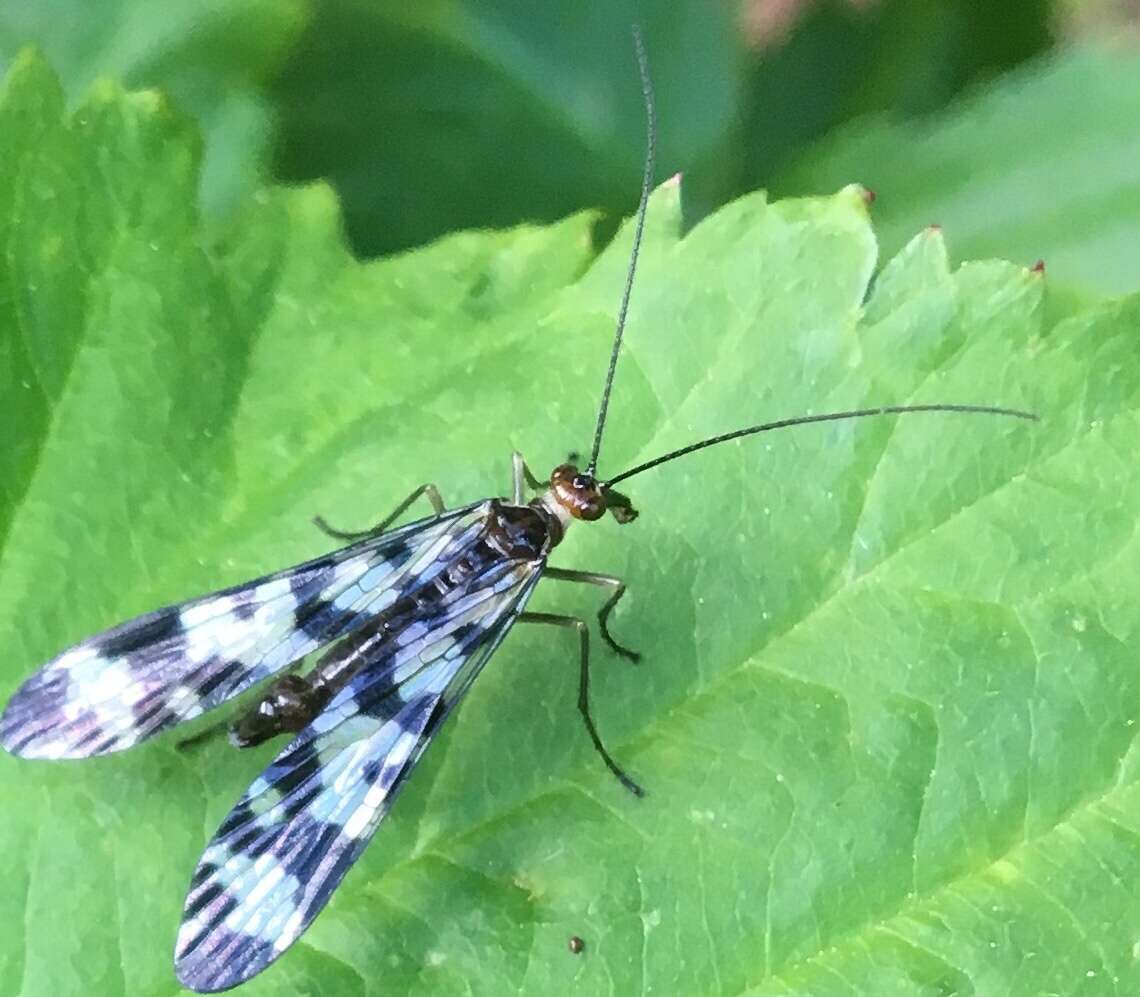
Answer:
(524, 532)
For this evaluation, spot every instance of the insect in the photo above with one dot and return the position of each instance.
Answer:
(404, 619)
(576, 945)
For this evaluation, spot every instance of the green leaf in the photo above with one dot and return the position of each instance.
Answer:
(1041, 166)
(885, 714)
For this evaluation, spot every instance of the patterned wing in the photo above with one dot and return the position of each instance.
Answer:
(171, 665)
(286, 845)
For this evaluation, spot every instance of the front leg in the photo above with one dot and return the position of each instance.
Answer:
(520, 475)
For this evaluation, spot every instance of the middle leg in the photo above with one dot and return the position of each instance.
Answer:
(604, 581)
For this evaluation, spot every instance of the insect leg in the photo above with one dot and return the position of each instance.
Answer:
(554, 619)
(204, 735)
(520, 473)
(428, 490)
(605, 581)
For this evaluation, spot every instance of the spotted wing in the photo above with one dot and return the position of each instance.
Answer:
(171, 665)
(276, 859)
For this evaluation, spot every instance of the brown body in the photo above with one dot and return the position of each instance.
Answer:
(510, 533)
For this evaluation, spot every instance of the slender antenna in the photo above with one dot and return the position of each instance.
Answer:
(804, 420)
(646, 182)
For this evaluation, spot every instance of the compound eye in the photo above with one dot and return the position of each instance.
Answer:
(592, 509)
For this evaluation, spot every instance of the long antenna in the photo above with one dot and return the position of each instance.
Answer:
(804, 420)
(646, 182)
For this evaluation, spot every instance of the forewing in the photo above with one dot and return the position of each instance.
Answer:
(163, 668)
(285, 846)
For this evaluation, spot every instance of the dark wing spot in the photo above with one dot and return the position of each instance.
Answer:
(204, 897)
(300, 585)
(253, 842)
(87, 739)
(335, 873)
(372, 771)
(303, 769)
(467, 636)
(433, 721)
(380, 701)
(296, 754)
(310, 578)
(236, 818)
(298, 802)
(186, 949)
(231, 958)
(50, 687)
(152, 713)
(201, 874)
(107, 744)
(312, 619)
(220, 673)
(157, 718)
(321, 621)
(244, 609)
(397, 552)
(320, 837)
(154, 628)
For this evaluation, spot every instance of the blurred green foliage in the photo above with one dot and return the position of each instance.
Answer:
(473, 114)
(840, 62)
(216, 59)
(1040, 165)
(452, 114)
